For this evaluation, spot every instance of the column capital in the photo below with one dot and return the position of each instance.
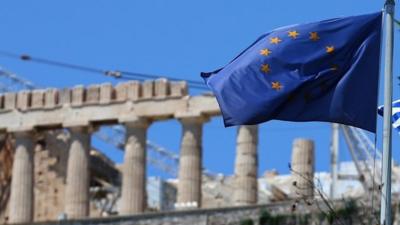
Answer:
(191, 117)
(75, 123)
(138, 122)
(21, 129)
(25, 134)
(85, 129)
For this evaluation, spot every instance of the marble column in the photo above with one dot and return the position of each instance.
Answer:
(133, 199)
(303, 168)
(246, 166)
(22, 199)
(78, 174)
(190, 163)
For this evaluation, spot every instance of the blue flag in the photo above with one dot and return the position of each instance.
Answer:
(395, 114)
(322, 71)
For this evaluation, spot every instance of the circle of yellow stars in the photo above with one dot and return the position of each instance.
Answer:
(293, 34)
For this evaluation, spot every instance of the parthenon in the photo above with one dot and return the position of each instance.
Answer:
(28, 115)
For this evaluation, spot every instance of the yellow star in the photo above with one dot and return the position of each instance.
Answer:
(265, 51)
(293, 34)
(275, 40)
(265, 68)
(276, 86)
(314, 36)
(330, 49)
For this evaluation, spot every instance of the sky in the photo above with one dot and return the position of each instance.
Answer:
(171, 38)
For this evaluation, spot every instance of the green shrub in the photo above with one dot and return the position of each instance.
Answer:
(267, 219)
(246, 222)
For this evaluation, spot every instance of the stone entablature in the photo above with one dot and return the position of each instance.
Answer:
(93, 94)
(100, 104)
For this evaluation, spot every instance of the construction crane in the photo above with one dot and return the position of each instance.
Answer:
(11, 82)
(366, 157)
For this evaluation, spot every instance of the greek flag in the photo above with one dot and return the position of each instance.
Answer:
(395, 114)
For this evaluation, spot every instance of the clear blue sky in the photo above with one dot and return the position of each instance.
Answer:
(174, 38)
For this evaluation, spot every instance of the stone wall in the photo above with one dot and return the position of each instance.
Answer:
(347, 212)
(220, 216)
(6, 161)
(49, 177)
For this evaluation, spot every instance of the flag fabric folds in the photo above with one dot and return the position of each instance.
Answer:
(321, 71)
(395, 114)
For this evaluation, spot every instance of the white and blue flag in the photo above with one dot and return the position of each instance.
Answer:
(395, 114)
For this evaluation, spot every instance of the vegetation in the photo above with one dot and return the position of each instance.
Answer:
(267, 219)
(322, 211)
(247, 222)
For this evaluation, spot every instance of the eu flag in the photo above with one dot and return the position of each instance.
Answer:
(322, 71)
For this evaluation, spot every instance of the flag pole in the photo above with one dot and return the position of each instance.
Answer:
(385, 217)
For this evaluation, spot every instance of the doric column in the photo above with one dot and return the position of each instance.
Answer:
(303, 169)
(133, 198)
(21, 200)
(246, 166)
(190, 162)
(77, 188)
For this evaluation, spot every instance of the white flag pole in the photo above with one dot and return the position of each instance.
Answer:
(386, 209)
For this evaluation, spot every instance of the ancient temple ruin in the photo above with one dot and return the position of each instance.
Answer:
(48, 166)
